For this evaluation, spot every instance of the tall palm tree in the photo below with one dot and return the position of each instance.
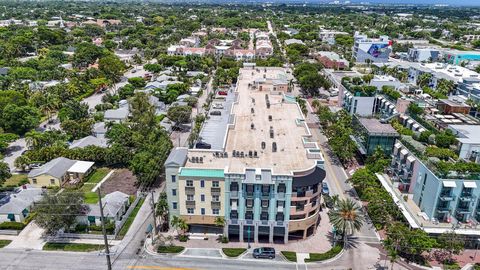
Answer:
(347, 217)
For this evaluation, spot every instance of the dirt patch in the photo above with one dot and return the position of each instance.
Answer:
(121, 180)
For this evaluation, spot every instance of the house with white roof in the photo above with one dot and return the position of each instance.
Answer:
(59, 171)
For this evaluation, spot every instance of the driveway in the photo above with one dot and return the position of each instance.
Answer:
(29, 238)
(13, 151)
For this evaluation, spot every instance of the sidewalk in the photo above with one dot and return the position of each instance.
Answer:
(29, 238)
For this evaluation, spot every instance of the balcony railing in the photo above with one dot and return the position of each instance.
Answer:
(216, 205)
(190, 190)
(215, 191)
(443, 209)
(447, 197)
(190, 204)
(463, 210)
(467, 197)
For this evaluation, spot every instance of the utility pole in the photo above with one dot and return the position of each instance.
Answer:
(107, 250)
(154, 217)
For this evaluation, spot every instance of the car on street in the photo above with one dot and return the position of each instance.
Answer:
(217, 106)
(222, 93)
(215, 113)
(325, 189)
(264, 252)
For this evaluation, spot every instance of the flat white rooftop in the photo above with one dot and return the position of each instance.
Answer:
(290, 132)
(81, 167)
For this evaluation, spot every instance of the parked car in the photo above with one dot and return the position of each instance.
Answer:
(203, 145)
(222, 93)
(325, 189)
(217, 106)
(264, 252)
(215, 113)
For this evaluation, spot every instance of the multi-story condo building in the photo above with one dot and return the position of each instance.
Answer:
(264, 177)
(423, 54)
(373, 50)
(441, 198)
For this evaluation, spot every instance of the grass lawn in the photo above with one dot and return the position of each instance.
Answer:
(97, 175)
(4, 243)
(170, 249)
(16, 180)
(316, 257)
(72, 247)
(130, 219)
(94, 178)
(290, 255)
(91, 197)
(233, 252)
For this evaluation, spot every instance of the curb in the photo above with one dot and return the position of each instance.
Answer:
(329, 260)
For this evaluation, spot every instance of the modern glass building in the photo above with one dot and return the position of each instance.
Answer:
(370, 133)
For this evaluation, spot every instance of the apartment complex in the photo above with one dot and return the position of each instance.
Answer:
(265, 176)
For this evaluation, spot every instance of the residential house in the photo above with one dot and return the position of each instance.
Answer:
(58, 171)
(115, 206)
(16, 206)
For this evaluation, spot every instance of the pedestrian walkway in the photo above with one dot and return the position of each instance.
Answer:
(301, 257)
(29, 238)
(202, 252)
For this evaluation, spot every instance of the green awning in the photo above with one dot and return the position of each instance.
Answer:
(212, 173)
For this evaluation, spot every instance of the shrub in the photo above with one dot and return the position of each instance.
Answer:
(233, 252)
(315, 257)
(290, 255)
(183, 238)
(170, 249)
(10, 225)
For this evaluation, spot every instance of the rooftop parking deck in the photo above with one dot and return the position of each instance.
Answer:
(254, 123)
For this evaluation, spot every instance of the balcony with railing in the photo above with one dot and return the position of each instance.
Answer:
(443, 209)
(190, 204)
(216, 205)
(190, 190)
(467, 196)
(215, 191)
(446, 196)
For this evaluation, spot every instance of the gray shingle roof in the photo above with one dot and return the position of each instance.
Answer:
(55, 167)
(17, 202)
(120, 114)
(113, 204)
(87, 141)
(178, 157)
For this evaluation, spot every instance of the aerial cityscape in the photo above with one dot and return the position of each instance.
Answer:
(185, 135)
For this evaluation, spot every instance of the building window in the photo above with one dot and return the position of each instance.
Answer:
(174, 192)
(189, 183)
(34, 181)
(216, 211)
(190, 211)
(202, 211)
(174, 178)
(215, 198)
(202, 183)
(189, 197)
(52, 181)
(174, 205)
(202, 197)
(215, 184)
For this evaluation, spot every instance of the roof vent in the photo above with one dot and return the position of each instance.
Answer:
(252, 126)
(234, 153)
(274, 147)
(250, 154)
(270, 118)
(225, 155)
(255, 154)
(252, 110)
(201, 159)
(268, 104)
(241, 154)
(263, 145)
(253, 100)
(271, 133)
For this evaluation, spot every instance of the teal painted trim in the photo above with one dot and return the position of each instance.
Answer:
(187, 172)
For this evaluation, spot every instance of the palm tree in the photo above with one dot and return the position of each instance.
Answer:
(347, 217)
(175, 222)
(220, 222)
(33, 139)
(179, 224)
(162, 211)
